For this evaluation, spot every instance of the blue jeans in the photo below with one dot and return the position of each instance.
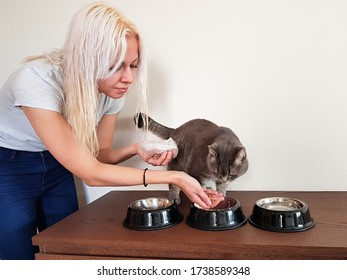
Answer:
(36, 191)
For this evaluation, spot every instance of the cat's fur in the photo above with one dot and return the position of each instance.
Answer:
(206, 151)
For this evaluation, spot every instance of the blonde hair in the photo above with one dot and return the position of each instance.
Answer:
(94, 49)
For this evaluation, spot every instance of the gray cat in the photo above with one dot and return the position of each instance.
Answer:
(206, 151)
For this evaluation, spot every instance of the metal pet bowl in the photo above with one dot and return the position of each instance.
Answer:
(226, 215)
(152, 214)
(281, 214)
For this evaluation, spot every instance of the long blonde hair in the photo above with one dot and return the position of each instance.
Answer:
(94, 48)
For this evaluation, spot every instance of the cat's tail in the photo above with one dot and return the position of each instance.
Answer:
(156, 128)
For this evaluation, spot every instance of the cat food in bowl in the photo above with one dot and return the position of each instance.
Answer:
(152, 214)
(226, 215)
(281, 214)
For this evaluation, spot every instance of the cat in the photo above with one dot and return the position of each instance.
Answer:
(206, 151)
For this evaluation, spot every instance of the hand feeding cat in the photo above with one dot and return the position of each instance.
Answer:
(206, 151)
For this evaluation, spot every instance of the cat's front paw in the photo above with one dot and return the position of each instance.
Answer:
(176, 199)
(222, 189)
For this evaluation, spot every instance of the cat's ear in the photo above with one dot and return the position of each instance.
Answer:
(240, 156)
(212, 149)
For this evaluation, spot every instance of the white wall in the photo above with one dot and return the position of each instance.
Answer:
(273, 71)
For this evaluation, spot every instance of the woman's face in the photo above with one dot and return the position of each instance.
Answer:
(117, 85)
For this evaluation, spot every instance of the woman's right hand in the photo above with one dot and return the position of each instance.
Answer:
(196, 194)
(214, 196)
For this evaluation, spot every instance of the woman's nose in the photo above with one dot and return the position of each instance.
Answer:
(127, 75)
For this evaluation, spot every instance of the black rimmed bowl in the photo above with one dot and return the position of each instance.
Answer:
(281, 214)
(226, 215)
(152, 213)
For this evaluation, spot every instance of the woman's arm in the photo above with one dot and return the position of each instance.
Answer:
(107, 154)
(57, 136)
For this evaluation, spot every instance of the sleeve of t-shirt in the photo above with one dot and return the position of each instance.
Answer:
(35, 89)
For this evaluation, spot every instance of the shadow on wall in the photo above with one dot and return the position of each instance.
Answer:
(81, 193)
(158, 99)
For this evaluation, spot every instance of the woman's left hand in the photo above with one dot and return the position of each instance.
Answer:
(154, 158)
(162, 159)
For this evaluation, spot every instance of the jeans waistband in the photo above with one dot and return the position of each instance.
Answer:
(24, 154)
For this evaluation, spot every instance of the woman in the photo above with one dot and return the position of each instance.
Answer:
(57, 118)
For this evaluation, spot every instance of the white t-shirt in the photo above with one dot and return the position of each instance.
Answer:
(37, 84)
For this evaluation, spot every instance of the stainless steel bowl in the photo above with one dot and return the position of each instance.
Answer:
(281, 214)
(153, 203)
(152, 214)
(225, 216)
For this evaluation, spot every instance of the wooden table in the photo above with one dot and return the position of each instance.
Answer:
(96, 232)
